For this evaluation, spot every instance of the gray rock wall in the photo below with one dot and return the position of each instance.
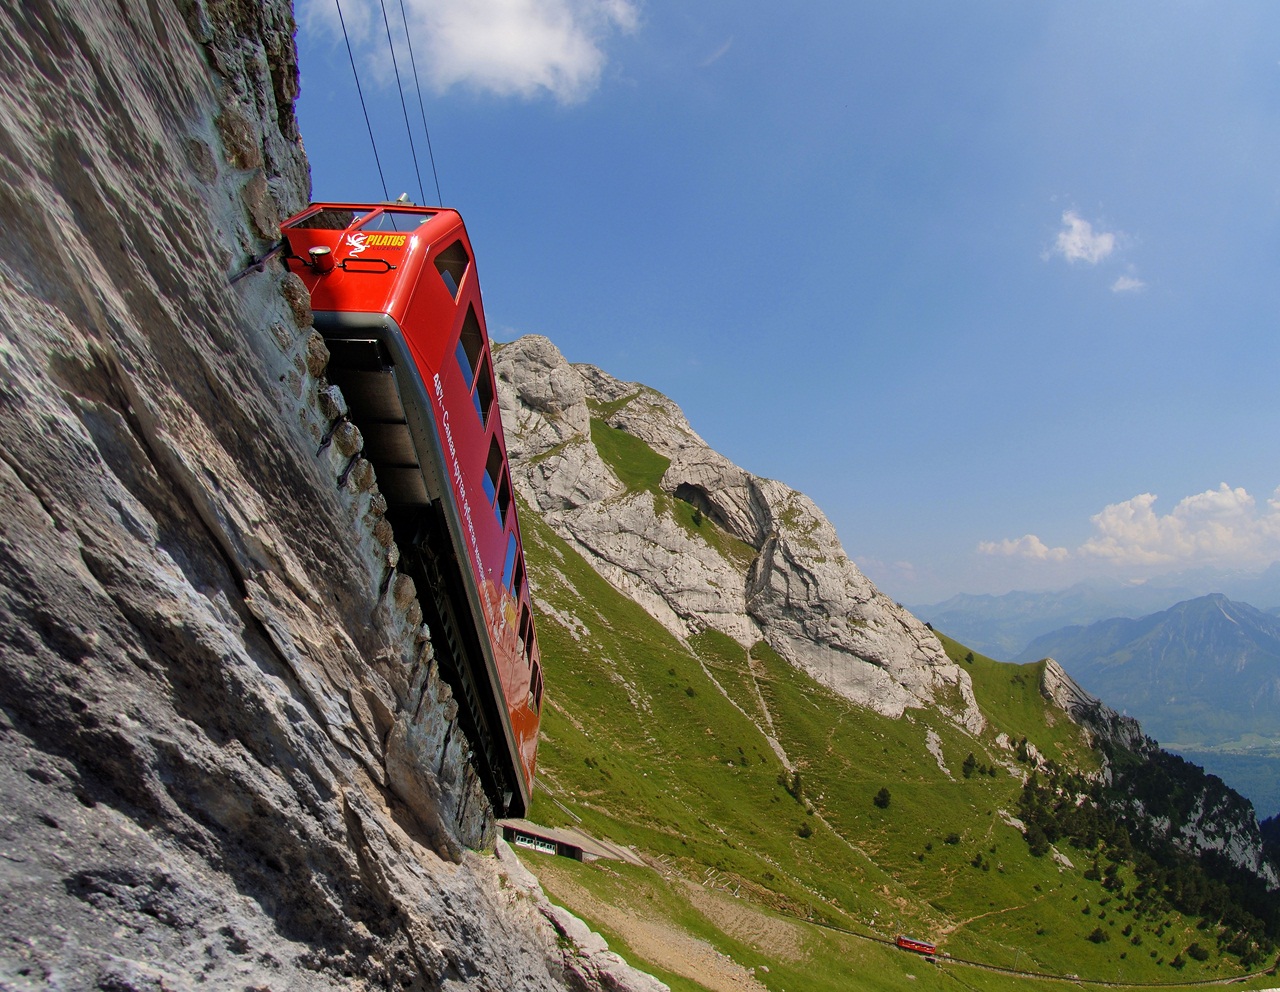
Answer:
(226, 757)
(790, 584)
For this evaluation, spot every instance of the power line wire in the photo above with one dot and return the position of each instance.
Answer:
(403, 106)
(421, 107)
(376, 159)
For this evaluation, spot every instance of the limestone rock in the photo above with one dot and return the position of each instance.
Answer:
(1088, 711)
(1208, 816)
(775, 570)
(226, 755)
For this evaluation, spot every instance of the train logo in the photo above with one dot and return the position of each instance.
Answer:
(361, 241)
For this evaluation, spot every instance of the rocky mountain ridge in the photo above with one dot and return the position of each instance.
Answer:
(772, 568)
(1204, 671)
(1196, 812)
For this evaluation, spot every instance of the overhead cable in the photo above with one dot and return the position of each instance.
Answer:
(421, 107)
(403, 106)
(378, 161)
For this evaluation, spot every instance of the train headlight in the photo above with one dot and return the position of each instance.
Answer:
(321, 258)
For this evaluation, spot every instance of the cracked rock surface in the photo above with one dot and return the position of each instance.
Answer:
(226, 754)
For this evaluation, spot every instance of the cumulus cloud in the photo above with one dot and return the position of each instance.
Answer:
(1079, 242)
(1128, 284)
(519, 48)
(1027, 546)
(1224, 527)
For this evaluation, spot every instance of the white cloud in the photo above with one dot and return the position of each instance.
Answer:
(717, 55)
(1027, 546)
(1128, 284)
(1222, 527)
(1079, 242)
(506, 47)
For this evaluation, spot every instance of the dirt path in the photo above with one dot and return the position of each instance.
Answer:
(774, 938)
(667, 946)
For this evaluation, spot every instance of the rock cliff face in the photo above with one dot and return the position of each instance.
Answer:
(1161, 794)
(226, 757)
(759, 562)
(1088, 711)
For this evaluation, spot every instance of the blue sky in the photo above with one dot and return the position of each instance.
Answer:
(993, 282)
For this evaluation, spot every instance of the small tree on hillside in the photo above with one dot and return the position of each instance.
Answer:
(970, 763)
(1037, 840)
(882, 798)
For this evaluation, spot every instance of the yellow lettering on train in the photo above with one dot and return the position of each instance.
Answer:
(387, 240)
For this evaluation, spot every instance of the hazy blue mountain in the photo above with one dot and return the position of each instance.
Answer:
(1203, 678)
(1002, 626)
(1206, 671)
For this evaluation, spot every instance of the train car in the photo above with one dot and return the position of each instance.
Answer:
(919, 946)
(395, 294)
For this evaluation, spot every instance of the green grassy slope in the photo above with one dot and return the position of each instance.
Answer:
(666, 747)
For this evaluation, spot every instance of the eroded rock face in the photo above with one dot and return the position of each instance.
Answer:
(226, 755)
(778, 574)
(1206, 816)
(1088, 711)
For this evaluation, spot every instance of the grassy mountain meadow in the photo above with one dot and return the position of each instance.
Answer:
(789, 835)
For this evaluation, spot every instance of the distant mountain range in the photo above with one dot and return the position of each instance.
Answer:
(1003, 626)
(1203, 677)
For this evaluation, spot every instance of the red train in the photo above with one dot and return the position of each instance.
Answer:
(395, 294)
(919, 946)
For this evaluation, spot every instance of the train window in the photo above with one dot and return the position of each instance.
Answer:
(470, 347)
(509, 568)
(329, 219)
(525, 646)
(504, 499)
(492, 469)
(497, 486)
(483, 395)
(451, 264)
(535, 690)
(397, 220)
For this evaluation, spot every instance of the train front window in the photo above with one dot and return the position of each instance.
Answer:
(329, 219)
(397, 220)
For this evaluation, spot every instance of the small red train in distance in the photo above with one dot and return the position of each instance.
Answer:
(919, 946)
(395, 294)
